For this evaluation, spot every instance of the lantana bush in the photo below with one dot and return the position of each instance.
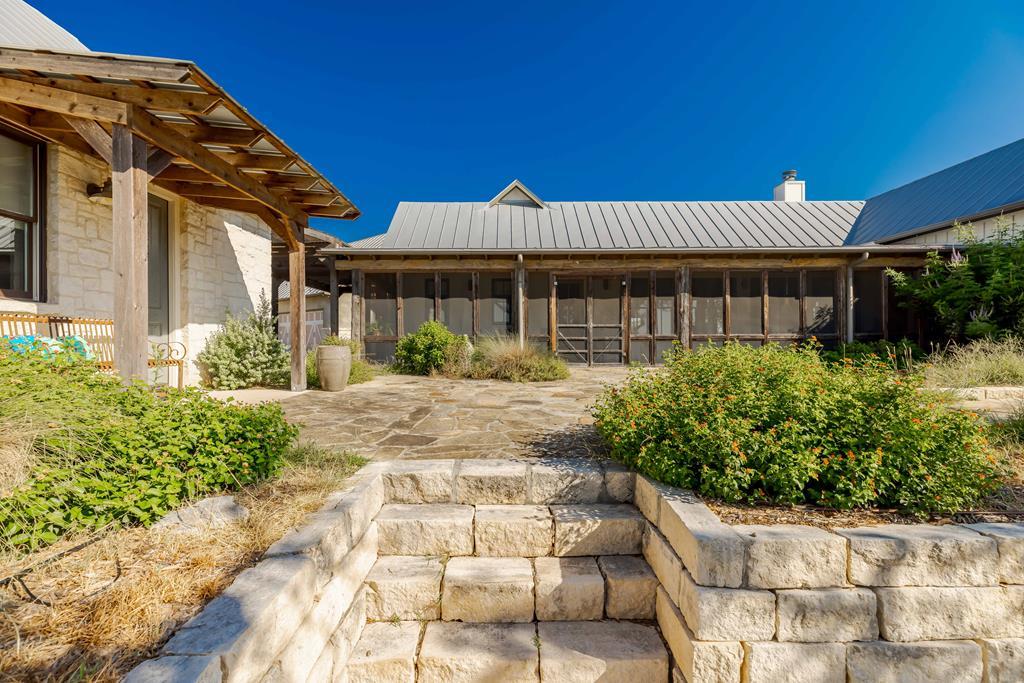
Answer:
(773, 425)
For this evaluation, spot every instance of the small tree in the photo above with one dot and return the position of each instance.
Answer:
(246, 352)
(978, 291)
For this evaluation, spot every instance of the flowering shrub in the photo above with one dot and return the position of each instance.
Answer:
(772, 425)
(427, 350)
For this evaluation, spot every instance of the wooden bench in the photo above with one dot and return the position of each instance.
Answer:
(98, 333)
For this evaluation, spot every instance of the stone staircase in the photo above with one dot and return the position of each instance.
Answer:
(469, 586)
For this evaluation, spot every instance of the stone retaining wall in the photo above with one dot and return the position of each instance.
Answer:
(297, 614)
(788, 603)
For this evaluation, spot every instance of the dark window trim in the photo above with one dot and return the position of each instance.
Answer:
(37, 232)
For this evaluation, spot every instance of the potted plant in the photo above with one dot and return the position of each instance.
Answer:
(333, 363)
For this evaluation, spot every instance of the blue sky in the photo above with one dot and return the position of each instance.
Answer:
(598, 101)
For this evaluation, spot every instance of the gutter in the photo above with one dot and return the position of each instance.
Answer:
(857, 249)
(849, 295)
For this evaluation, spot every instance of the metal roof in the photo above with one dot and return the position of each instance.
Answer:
(22, 25)
(976, 188)
(284, 291)
(612, 226)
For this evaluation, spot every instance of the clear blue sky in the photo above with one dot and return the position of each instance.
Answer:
(597, 101)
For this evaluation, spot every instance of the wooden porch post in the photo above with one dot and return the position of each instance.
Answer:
(297, 317)
(130, 182)
(332, 302)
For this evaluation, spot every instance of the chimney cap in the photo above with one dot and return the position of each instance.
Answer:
(789, 174)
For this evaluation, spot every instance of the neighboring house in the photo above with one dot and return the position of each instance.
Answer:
(319, 303)
(619, 282)
(136, 189)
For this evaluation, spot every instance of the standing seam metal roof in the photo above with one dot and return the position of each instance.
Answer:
(476, 226)
(22, 25)
(983, 185)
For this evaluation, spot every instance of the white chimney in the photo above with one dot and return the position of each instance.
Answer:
(790, 189)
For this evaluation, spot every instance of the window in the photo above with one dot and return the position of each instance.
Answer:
(21, 238)
(496, 310)
(867, 303)
(380, 303)
(417, 300)
(538, 291)
(731, 305)
(457, 302)
(652, 315)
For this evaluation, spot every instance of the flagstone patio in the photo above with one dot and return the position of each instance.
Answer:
(398, 416)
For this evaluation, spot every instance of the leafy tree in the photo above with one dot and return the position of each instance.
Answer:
(978, 291)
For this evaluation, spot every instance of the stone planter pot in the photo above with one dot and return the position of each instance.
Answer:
(333, 363)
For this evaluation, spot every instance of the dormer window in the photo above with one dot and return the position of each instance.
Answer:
(20, 217)
(517, 194)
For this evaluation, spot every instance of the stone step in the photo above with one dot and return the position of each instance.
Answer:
(385, 653)
(496, 589)
(404, 587)
(428, 529)
(566, 652)
(510, 530)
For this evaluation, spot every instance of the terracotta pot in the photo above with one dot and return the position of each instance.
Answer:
(333, 363)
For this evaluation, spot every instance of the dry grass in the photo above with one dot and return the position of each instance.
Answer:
(114, 602)
(981, 363)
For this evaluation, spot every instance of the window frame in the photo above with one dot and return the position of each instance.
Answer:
(766, 336)
(37, 224)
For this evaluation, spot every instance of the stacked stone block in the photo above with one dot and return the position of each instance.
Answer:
(772, 603)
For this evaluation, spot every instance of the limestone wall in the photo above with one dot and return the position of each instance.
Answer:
(220, 260)
(785, 602)
(297, 614)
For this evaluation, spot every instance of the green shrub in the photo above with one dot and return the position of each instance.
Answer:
(105, 455)
(362, 371)
(426, 350)
(983, 362)
(770, 425)
(502, 358)
(246, 352)
(978, 292)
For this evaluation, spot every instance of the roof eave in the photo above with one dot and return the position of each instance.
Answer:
(854, 249)
(981, 215)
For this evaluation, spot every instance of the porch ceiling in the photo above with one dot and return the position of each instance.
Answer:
(207, 147)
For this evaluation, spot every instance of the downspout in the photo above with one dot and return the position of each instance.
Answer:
(520, 307)
(849, 295)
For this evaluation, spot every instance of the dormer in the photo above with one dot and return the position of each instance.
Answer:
(517, 194)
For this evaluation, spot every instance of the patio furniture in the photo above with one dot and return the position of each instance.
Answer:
(97, 332)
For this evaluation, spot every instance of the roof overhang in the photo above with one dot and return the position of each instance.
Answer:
(942, 225)
(803, 251)
(209, 148)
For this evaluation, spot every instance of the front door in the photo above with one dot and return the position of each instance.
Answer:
(159, 271)
(589, 319)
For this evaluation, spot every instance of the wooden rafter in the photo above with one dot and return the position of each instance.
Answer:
(159, 160)
(62, 101)
(165, 137)
(94, 66)
(151, 98)
(93, 133)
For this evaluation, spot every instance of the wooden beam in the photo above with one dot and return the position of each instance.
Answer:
(218, 135)
(193, 190)
(332, 278)
(292, 182)
(297, 316)
(189, 174)
(179, 101)
(131, 253)
(97, 66)
(310, 198)
(22, 120)
(256, 162)
(165, 137)
(335, 211)
(95, 135)
(284, 229)
(158, 162)
(62, 101)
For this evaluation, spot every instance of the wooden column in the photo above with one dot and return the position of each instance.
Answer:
(520, 300)
(130, 183)
(332, 263)
(297, 317)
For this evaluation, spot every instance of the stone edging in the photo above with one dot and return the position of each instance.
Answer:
(800, 603)
(987, 393)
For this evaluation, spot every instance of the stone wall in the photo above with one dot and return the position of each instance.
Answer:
(786, 602)
(220, 260)
(297, 614)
